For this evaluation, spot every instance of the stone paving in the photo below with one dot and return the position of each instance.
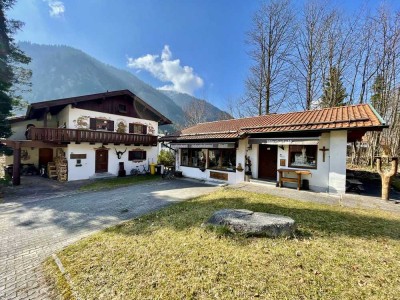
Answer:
(32, 230)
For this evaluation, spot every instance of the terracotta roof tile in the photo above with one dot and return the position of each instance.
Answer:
(355, 116)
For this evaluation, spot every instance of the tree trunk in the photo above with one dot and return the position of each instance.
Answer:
(386, 177)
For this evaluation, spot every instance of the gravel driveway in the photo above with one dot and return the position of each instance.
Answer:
(32, 231)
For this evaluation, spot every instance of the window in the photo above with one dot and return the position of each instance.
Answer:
(193, 158)
(303, 156)
(137, 128)
(101, 124)
(122, 108)
(137, 155)
(222, 159)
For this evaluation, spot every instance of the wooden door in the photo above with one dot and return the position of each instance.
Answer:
(267, 161)
(101, 160)
(45, 156)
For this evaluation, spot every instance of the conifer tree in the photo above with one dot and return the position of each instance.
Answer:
(13, 77)
(334, 92)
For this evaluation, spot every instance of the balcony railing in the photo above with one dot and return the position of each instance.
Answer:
(63, 135)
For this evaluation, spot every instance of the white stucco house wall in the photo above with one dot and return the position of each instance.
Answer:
(311, 142)
(94, 133)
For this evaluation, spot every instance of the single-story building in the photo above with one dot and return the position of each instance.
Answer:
(81, 137)
(283, 148)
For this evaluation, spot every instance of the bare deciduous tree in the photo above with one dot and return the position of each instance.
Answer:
(270, 38)
(195, 113)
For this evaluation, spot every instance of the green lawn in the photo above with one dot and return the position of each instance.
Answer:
(117, 182)
(338, 253)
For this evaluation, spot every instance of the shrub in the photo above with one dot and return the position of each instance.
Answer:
(166, 158)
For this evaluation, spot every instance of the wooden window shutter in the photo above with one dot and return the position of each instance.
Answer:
(144, 154)
(130, 127)
(110, 125)
(93, 123)
(144, 129)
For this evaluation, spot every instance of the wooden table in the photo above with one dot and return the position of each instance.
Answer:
(289, 179)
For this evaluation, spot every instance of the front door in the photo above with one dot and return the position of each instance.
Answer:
(101, 160)
(267, 161)
(45, 156)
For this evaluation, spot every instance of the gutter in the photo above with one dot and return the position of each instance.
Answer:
(377, 115)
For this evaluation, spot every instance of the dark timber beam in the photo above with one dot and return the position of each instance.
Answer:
(16, 179)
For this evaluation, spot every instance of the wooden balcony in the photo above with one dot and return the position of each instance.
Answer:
(64, 136)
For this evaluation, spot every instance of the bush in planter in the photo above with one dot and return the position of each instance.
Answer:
(166, 158)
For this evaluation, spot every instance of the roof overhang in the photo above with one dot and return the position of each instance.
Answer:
(205, 145)
(54, 106)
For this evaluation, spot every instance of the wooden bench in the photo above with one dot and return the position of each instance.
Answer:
(354, 185)
(297, 180)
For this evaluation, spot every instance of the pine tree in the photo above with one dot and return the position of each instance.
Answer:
(334, 92)
(378, 89)
(13, 76)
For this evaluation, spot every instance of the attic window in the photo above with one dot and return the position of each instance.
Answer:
(122, 108)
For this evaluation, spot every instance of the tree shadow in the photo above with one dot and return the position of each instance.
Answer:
(311, 219)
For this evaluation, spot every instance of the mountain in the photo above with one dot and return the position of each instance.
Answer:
(62, 71)
(184, 101)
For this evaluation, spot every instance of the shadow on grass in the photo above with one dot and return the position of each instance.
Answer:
(311, 219)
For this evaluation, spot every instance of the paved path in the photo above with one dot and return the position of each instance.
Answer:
(349, 200)
(32, 231)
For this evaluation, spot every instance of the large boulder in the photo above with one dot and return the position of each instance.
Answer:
(252, 223)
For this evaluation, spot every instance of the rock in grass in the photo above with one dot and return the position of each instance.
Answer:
(252, 223)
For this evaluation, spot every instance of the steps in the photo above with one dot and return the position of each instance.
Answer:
(271, 183)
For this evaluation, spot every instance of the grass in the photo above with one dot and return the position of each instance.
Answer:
(338, 253)
(117, 182)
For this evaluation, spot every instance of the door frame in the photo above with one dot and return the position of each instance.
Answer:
(40, 162)
(274, 166)
(96, 170)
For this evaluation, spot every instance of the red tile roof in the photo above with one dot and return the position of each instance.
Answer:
(343, 117)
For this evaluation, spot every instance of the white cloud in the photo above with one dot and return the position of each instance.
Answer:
(57, 7)
(179, 78)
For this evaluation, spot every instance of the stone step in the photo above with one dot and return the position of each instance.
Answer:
(102, 175)
(264, 182)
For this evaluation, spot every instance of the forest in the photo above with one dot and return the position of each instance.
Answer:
(322, 56)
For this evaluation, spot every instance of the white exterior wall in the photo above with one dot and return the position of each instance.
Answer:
(76, 114)
(69, 116)
(19, 128)
(253, 154)
(89, 164)
(319, 178)
(337, 159)
(32, 157)
(328, 177)
(63, 116)
(233, 177)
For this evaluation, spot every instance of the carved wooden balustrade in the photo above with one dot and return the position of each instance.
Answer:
(64, 135)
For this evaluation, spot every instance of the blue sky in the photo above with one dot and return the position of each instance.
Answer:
(195, 46)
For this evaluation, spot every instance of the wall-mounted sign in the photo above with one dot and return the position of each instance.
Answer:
(220, 176)
(204, 145)
(77, 156)
(285, 141)
(282, 162)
